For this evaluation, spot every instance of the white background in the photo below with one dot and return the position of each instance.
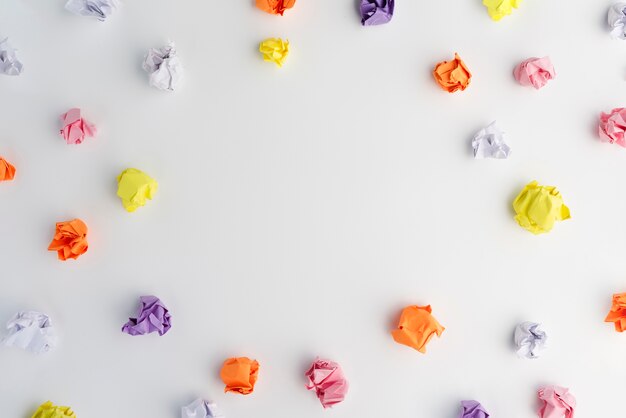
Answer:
(301, 208)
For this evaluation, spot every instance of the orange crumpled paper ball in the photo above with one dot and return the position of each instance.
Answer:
(70, 239)
(452, 75)
(416, 327)
(617, 314)
(275, 7)
(7, 171)
(239, 375)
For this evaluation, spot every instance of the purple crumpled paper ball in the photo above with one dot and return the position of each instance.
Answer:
(153, 316)
(376, 12)
(473, 409)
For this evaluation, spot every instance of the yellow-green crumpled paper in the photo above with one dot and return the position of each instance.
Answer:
(538, 207)
(50, 410)
(497, 9)
(134, 187)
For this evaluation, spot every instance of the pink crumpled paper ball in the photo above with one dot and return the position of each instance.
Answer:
(612, 126)
(534, 72)
(556, 402)
(75, 128)
(328, 381)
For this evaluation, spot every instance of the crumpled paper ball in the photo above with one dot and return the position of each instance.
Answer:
(416, 327)
(153, 316)
(489, 143)
(328, 381)
(497, 9)
(556, 402)
(70, 239)
(239, 375)
(50, 410)
(617, 20)
(473, 409)
(274, 50)
(376, 12)
(275, 7)
(76, 128)
(538, 207)
(164, 68)
(200, 409)
(9, 64)
(134, 187)
(612, 126)
(7, 171)
(530, 340)
(617, 314)
(100, 9)
(452, 75)
(534, 72)
(31, 331)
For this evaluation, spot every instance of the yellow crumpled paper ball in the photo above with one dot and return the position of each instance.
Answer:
(134, 187)
(50, 410)
(538, 207)
(497, 9)
(274, 50)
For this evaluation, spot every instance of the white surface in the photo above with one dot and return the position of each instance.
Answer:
(301, 208)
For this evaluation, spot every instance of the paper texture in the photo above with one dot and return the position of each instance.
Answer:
(535, 72)
(376, 12)
(70, 239)
(75, 128)
(9, 64)
(473, 409)
(134, 187)
(49, 410)
(489, 143)
(530, 340)
(617, 20)
(328, 381)
(31, 331)
(275, 7)
(538, 207)
(497, 9)
(452, 75)
(239, 375)
(164, 68)
(200, 409)
(617, 314)
(153, 316)
(7, 171)
(100, 9)
(416, 327)
(274, 50)
(612, 126)
(556, 402)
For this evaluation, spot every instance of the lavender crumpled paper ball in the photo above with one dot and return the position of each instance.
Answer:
(200, 409)
(31, 331)
(473, 409)
(100, 9)
(164, 68)
(153, 316)
(616, 18)
(376, 12)
(9, 64)
(530, 340)
(489, 143)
